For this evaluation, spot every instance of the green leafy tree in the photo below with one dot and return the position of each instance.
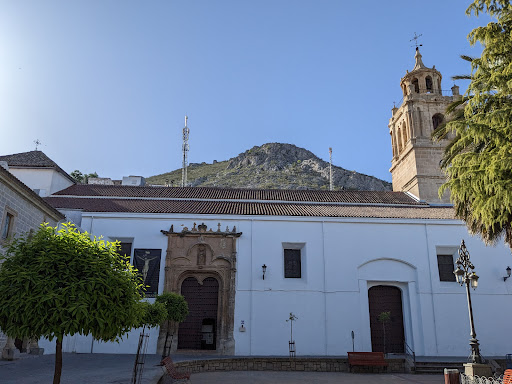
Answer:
(176, 311)
(478, 158)
(82, 178)
(153, 314)
(62, 282)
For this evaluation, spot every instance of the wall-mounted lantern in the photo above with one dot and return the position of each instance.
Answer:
(264, 269)
(509, 272)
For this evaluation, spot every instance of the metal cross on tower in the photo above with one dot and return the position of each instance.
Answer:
(186, 133)
(37, 143)
(415, 40)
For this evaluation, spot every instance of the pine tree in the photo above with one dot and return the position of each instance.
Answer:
(478, 159)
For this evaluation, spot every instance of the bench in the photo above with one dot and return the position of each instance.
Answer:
(370, 359)
(507, 377)
(171, 370)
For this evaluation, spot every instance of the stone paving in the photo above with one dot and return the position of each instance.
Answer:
(266, 377)
(117, 369)
(77, 369)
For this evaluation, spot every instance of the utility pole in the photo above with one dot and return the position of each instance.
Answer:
(186, 133)
(330, 169)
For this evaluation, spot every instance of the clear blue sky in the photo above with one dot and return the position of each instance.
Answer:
(105, 84)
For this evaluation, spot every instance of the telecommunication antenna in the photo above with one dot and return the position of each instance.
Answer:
(37, 143)
(330, 169)
(415, 40)
(186, 133)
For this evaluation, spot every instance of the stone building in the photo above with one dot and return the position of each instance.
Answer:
(21, 210)
(415, 162)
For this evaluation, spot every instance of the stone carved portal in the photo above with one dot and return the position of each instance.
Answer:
(195, 257)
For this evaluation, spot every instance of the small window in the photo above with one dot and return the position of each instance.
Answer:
(292, 263)
(446, 267)
(126, 249)
(7, 225)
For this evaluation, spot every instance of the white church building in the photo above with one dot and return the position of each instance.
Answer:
(246, 259)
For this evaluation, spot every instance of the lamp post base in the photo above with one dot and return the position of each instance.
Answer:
(475, 369)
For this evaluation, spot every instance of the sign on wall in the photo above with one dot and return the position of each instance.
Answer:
(147, 261)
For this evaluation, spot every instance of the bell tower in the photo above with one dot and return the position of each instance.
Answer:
(415, 164)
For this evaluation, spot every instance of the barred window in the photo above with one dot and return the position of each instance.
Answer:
(292, 263)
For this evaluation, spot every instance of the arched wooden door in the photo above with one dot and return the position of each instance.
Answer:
(387, 337)
(199, 330)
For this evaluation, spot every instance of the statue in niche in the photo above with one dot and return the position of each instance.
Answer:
(201, 254)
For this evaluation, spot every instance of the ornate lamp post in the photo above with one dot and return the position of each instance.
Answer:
(466, 276)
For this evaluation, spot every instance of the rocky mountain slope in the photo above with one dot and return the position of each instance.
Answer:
(272, 166)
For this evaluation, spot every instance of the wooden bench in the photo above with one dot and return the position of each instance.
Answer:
(370, 359)
(171, 370)
(507, 377)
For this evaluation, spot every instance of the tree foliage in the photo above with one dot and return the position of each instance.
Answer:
(62, 282)
(175, 305)
(153, 314)
(478, 159)
(82, 178)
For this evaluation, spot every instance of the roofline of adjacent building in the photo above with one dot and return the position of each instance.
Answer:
(29, 195)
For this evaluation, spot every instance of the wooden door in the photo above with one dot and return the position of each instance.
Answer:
(202, 302)
(383, 298)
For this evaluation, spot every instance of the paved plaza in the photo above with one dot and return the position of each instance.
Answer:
(266, 377)
(117, 369)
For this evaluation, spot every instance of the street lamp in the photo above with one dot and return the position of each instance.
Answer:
(466, 276)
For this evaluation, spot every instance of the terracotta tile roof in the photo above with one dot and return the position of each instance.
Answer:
(250, 208)
(32, 159)
(194, 193)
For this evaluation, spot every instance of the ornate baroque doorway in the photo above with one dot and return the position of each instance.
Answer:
(387, 336)
(201, 264)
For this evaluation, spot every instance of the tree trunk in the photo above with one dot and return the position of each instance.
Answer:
(58, 362)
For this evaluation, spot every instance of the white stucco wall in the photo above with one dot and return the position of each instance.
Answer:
(47, 180)
(342, 259)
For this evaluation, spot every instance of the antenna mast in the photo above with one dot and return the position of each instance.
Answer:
(186, 133)
(330, 169)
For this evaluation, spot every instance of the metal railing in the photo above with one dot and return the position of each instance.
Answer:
(464, 379)
(410, 356)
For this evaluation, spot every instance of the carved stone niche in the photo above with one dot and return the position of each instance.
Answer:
(201, 253)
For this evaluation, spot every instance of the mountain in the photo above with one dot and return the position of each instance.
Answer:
(272, 166)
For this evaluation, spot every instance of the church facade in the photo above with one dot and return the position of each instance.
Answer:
(247, 260)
